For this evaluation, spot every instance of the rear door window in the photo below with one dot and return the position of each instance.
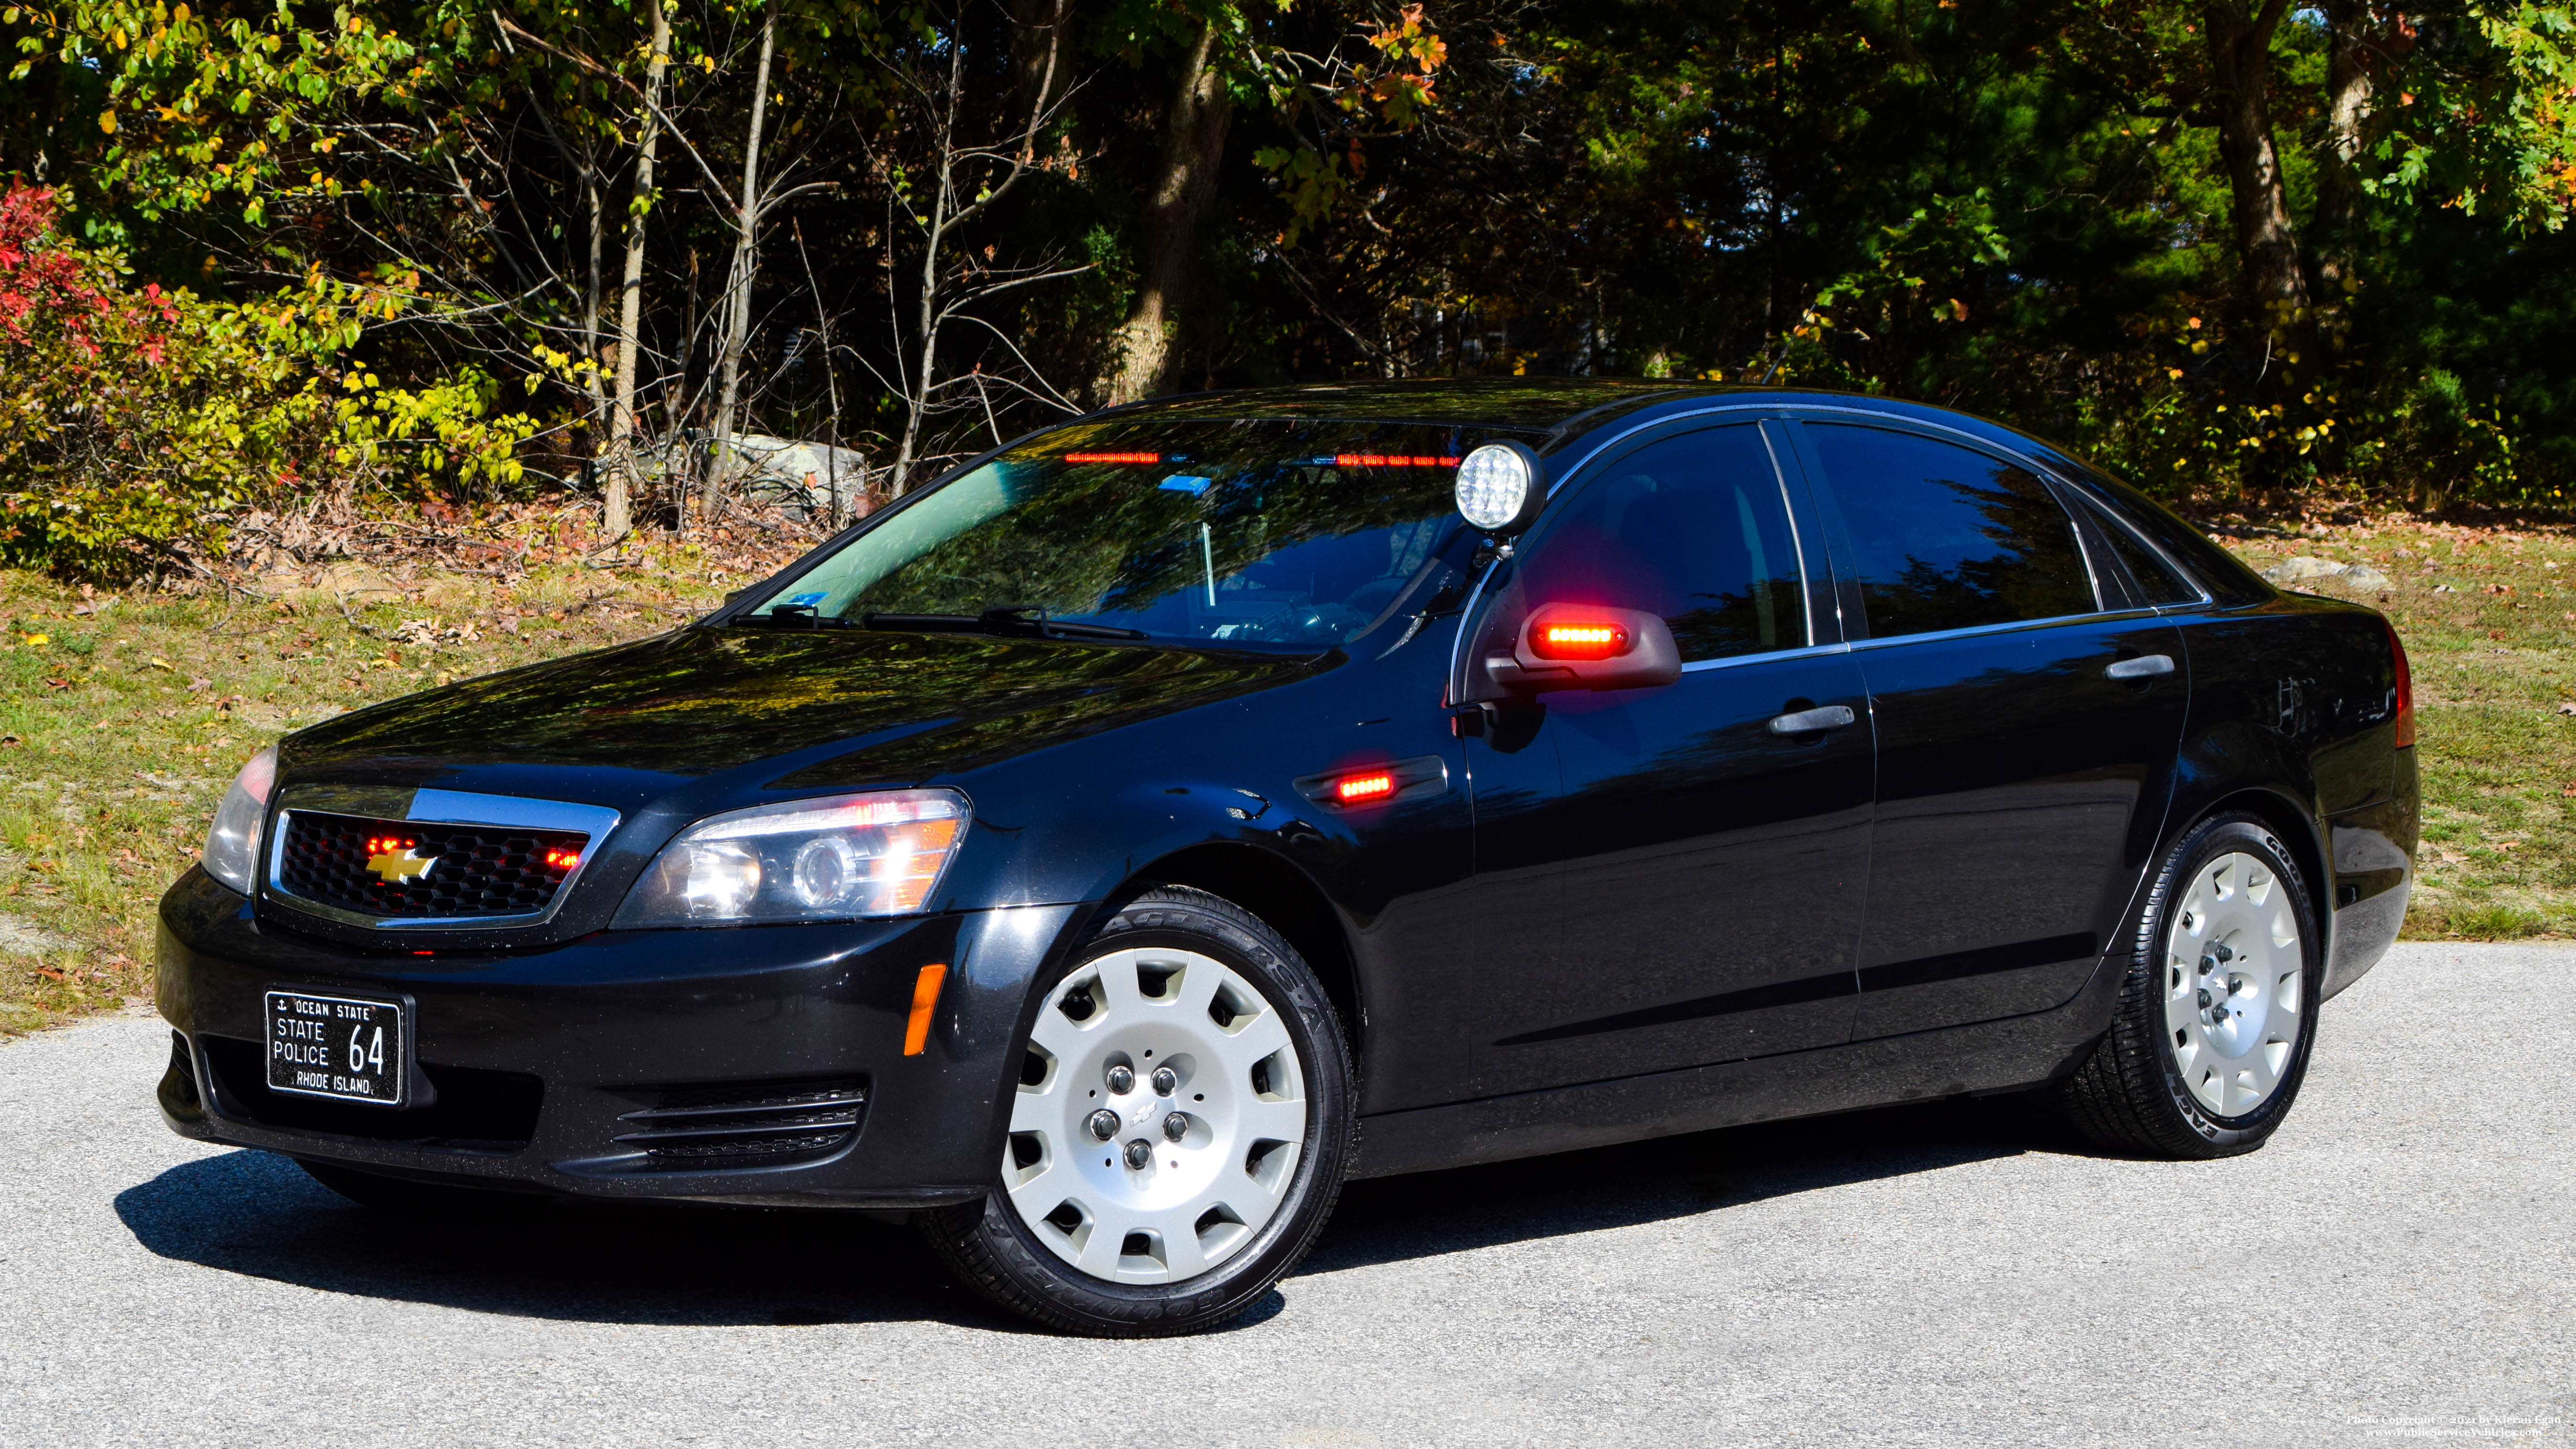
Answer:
(1693, 528)
(1945, 537)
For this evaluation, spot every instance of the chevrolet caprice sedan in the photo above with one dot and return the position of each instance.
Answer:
(1103, 854)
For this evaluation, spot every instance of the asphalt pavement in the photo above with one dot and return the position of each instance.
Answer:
(2393, 1268)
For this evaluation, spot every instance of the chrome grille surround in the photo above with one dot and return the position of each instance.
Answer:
(431, 807)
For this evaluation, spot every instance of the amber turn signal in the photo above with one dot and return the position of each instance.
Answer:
(925, 996)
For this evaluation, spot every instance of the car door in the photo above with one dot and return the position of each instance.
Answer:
(2026, 732)
(1669, 876)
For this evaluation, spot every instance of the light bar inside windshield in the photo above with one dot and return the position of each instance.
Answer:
(1113, 457)
(1391, 460)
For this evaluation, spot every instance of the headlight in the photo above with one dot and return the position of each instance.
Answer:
(232, 847)
(877, 854)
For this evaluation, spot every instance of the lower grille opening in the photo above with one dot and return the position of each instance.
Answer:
(476, 1110)
(743, 1124)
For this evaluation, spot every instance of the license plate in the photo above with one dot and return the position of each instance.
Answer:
(340, 1047)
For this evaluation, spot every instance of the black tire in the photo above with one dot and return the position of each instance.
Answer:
(410, 1197)
(2130, 1095)
(988, 1247)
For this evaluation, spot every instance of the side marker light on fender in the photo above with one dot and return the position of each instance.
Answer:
(925, 997)
(1364, 787)
(1355, 789)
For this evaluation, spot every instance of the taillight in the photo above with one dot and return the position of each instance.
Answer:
(2405, 689)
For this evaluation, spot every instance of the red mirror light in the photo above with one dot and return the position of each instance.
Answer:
(1587, 646)
(1568, 637)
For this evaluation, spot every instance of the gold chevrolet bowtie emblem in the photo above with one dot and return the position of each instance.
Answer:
(396, 866)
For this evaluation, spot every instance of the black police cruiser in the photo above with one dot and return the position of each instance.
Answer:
(1104, 853)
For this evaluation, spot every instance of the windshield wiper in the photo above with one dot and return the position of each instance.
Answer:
(1020, 621)
(795, 616)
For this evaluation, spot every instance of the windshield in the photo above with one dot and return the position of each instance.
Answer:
(1270, 533)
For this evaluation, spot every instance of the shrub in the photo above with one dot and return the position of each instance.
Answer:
(133, 421)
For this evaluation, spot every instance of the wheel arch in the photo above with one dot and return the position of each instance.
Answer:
(2297, 829)
(1285, 897)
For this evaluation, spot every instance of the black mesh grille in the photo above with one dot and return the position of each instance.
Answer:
(470, 870)
(745, 1124)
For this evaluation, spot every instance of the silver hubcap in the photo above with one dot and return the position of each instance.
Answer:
(2234, 975)
(1192, 1073)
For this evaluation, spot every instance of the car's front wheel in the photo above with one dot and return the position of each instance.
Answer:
(1178, 1135)
(2210, 1039)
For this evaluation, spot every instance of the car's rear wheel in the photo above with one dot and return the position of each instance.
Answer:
(1178, 1134)
(2209, 1042)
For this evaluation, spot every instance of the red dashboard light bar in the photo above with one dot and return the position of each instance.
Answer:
(1113, 457)
(1360, 789)
(1579, 639)
(1391, 460)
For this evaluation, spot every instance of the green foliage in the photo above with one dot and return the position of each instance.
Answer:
(133, 421)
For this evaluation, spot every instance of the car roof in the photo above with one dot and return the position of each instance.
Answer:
(1568, 410)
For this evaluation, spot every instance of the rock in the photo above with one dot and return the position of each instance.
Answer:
(358, 584)
(2367, 579)
(2302, 568)
(26, 938)
(799, 477)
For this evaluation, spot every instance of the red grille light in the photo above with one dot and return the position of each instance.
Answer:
(1360, 789)
(566, 859)
(1113, 457)
(388, 844)
(1579, 639)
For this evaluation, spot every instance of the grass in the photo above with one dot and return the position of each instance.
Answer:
(124, 716)
(2489, 620)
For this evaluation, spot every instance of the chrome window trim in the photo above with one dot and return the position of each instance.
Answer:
(2099, 616)
(1729, 661)
(437, 807)
(1797, 541)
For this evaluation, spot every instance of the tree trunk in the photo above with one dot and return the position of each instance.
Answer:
(2272, 290)
(616, 520)
(736, 316)
(2348, 93)
(1193, 143)
(1037, 81)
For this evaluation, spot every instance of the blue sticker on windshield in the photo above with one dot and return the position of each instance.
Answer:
(1184, 483)
(809, 600)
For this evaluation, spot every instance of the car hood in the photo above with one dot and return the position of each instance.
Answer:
(793, 711)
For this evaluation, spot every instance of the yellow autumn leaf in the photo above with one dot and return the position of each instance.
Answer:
(107, 122)
(40, 640)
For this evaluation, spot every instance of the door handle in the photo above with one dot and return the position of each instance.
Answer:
(1808, 721)
(2147, 667)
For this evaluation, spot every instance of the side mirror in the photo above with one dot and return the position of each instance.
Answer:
(1567, 646)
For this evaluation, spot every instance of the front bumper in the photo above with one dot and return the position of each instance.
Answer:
(533, 1064)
